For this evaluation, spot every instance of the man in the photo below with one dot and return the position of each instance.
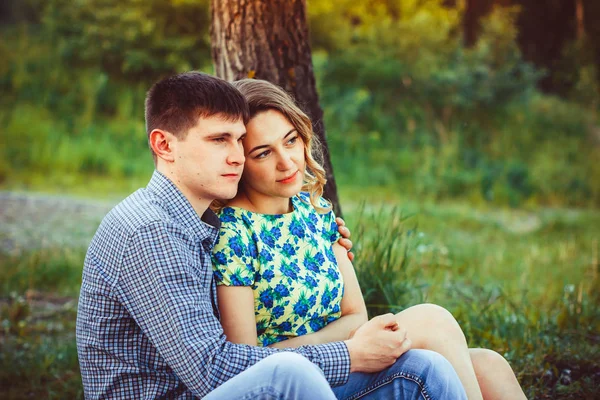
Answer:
(147, 324)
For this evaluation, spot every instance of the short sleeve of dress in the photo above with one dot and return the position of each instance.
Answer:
(232, 256)
(330, 228)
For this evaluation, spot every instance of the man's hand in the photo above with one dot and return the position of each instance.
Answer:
(345, 241)
(377, 344)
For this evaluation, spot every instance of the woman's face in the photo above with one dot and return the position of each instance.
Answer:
(274, 151)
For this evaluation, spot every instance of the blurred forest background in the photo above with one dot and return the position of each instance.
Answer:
(479, 118)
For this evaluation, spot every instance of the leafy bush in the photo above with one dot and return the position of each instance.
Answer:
(131, 39)
(407, 105)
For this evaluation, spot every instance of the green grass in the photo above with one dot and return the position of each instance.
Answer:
(39, 355)
(520, 281)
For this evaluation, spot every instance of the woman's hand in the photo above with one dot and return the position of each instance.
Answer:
(345, 241)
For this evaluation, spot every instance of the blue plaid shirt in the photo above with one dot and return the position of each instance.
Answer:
(148, 324)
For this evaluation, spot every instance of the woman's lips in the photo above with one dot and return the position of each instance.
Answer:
(290, 178)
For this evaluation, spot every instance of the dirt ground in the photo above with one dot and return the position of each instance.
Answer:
(33, 221)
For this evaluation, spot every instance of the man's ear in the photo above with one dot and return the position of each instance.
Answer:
(161, 143)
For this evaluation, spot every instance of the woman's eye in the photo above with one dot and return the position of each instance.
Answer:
(293, 140)
(263, 154)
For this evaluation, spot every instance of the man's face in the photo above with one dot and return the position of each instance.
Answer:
(209, 161)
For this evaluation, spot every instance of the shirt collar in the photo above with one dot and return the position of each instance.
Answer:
(180, 208)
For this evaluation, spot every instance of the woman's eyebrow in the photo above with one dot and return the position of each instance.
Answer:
(289, 133)
(263, 146)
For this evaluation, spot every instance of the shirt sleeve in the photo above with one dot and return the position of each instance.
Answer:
(234, 257)
(330, 227)
(165, 284)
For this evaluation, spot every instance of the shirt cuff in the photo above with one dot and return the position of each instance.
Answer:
(335, 362)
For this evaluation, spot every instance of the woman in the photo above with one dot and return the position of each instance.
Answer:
(285, 282)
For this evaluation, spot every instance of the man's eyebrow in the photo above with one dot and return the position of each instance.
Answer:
(226, 135)
(220, 135)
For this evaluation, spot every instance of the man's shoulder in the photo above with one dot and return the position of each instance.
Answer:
(139, 210)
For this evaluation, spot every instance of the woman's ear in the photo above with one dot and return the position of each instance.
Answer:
(161, 143)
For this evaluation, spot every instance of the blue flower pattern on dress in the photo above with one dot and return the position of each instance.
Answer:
(288, 261)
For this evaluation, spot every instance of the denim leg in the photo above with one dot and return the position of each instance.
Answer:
(417, 374)
(280, 376)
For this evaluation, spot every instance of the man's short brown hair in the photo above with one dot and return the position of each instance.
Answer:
(174, 104)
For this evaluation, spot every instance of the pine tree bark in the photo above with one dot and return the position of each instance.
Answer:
(474, 11)
(268, 39)
(580, 19)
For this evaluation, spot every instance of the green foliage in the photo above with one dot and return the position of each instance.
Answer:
(48, 270)
(39, 144)
(406, 104)
(131, 39)
(385, 248)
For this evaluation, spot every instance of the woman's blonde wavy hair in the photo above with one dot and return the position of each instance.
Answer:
(262, 96)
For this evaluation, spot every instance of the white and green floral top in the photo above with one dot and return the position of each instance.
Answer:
(288, 261)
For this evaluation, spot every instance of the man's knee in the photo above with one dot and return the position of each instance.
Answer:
(424, 361)
(279, 376)
(434, 371)
(293, 376)
(293, 364)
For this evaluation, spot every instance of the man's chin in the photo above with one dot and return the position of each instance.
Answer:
(227, 194)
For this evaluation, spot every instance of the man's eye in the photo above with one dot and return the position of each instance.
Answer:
(219, 140)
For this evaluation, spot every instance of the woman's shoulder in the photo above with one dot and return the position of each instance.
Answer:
(321, 201)
(236, 219)
(303, 202)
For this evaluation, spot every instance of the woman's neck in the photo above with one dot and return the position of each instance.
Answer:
(262, 204)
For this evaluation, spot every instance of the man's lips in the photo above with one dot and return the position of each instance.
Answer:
(289, 179)
(231, 175)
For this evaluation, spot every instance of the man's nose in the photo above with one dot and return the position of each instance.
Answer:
(236, 155)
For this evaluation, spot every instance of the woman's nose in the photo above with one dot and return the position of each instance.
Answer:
(285, 162)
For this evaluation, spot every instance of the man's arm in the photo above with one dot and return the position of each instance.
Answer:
(165, 286)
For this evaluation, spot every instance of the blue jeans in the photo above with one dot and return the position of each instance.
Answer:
(417, 374)
(281, 376)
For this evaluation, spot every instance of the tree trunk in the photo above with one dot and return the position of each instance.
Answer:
(474, 11)
(579, 18)
(269, 40)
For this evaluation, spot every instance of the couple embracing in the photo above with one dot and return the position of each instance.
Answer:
(260, 299)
